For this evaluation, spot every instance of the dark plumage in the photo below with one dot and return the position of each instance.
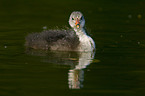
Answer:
(53, 40)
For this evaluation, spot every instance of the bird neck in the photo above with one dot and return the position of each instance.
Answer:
(86, 42)
(80, 31)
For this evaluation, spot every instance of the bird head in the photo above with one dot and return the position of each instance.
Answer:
(77, 20)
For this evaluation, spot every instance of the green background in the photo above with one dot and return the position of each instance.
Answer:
(117, 27)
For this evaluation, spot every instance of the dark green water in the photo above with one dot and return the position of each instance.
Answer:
(118, 68)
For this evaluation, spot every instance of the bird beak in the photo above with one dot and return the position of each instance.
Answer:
(77, 23)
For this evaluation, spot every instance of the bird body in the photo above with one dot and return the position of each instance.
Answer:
(74, 39)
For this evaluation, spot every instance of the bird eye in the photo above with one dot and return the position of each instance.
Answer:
(81, 18)
(72, 18)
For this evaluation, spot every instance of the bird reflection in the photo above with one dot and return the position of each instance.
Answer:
(76, 74)
(75, 79)
(77, 61)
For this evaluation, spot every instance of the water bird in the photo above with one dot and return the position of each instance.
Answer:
(74, 39)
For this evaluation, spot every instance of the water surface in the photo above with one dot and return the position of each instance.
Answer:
(117, 69)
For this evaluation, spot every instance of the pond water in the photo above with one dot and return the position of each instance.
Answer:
(117, 68)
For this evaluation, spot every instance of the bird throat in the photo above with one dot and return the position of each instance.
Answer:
(80, 31)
